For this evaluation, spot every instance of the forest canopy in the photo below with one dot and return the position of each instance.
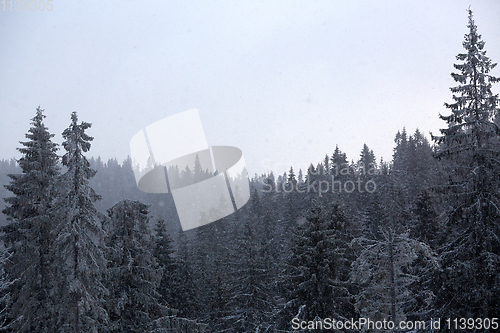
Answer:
(408, 240)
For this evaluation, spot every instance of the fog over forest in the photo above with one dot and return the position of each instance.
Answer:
(350, 243)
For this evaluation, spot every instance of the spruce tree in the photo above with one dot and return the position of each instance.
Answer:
(185, 301)
(78, 258)
(366, 161)
(132, 275)
(269, 214)
(314, 282)
(383, 273)
(338, 162)
(425, 228)
(28, 235)
(163, 253)
(471, 150)
(176, 286)
(210, 274)
(7, 167)
(250, 304)
(414, 168)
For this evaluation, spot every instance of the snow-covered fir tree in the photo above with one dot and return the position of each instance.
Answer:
(163, 245)
(183, 297)
(132, 275)
(470, 150)
(175, 288)
(314, 282)
(28, 236)
(426, 227)
(251, 304)
(383, 273)
(78, 257)
(209, 270)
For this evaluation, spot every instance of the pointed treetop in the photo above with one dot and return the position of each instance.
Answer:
(474, 106)
(40, 148)
(338, 158)
(75, 135)
(291, 175)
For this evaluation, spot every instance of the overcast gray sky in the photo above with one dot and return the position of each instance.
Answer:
(284, 81)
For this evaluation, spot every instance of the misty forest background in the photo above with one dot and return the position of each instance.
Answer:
(86, 251)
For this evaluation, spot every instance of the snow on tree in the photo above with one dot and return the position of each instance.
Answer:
(426, 227)
(28, 235)
(78, 257)
(470, 150)
(383, 273)
(250, 306)
(176, 285)
(267, 211)
(414, 166)
(210, 272)
(183, 296)
(132, 275)
(5, 295)
(315, 280)
(162, 252)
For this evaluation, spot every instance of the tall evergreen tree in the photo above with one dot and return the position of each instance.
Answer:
(367, 162)
(414, 167)
(425, 228)
(176, 286)
(383, 273)
(185, 300)
(250, 304)
(163, 253)
(267, 206)
(78, 257)
(133, 275)
(210, 256)
(250, 286)
(314, 282)
(471, 149)
(338, 162)
(28, 235)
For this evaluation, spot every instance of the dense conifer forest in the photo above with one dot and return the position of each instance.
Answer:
(412, 240)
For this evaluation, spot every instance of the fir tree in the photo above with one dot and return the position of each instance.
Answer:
(133, 275)
(210, 275)
(367, 162)
(338, 162)
(251, 303)
(314, 282)
(383, 273)
(28, 235)
(414, 169)
(78, 258)
(269, 238)
(184, 300)
(426, 225)
(471, 150)
(326, 165)
(163, 251)
(176, 286)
